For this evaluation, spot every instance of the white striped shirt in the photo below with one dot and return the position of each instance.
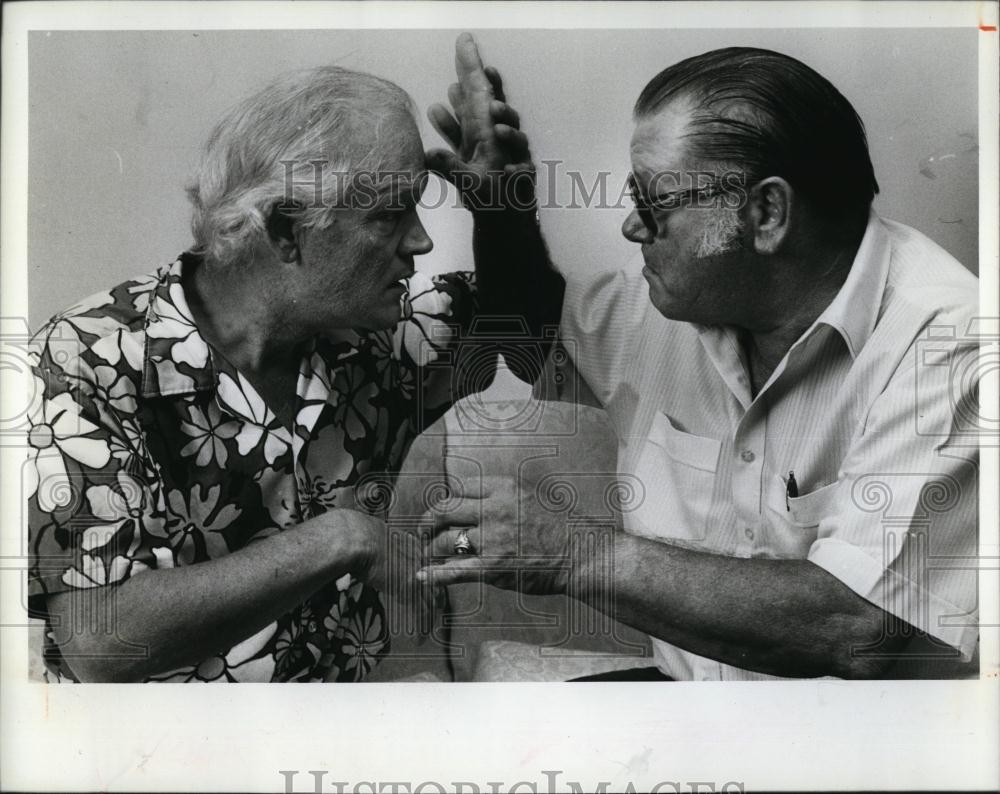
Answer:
(873, 408)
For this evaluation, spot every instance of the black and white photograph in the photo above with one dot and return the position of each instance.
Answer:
(491, 347)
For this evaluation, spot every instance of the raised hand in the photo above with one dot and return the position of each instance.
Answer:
(489, 162)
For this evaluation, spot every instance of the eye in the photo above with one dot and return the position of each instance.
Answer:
(385, 217)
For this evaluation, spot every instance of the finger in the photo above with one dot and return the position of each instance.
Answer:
(462, 569)
(494, 77)
(444, 544)
(504, 114)
(455, 513)
(519, 168)
(456, 96)
(468, 64)
(445, 124)
(513, 139)
(443, 163)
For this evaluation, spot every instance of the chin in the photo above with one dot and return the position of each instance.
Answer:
(680, 311)
(384, 319)
(664, 303)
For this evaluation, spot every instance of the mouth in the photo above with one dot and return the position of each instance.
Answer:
(401, 281)
(400, 291)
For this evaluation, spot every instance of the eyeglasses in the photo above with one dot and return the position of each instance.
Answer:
(669, 200)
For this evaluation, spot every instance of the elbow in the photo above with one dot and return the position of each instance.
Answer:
(860, 669)
(93, 662)
(108, 673)
(94, 649)
(97, 658)
(863, 650)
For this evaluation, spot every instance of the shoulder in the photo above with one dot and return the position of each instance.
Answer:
(927, 281)
(611, 310)
(605, 286)
(607, 301)
(108, 324)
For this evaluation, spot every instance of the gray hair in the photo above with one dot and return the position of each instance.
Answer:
(293, 142)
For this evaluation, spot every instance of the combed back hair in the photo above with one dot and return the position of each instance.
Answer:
(266, 147)
(767, 114)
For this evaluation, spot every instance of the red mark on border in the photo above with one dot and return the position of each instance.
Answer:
(988, 28)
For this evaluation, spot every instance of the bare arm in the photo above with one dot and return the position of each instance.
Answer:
(182, 615)
(780, 617)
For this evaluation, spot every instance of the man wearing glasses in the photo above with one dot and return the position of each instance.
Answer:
(785, 383)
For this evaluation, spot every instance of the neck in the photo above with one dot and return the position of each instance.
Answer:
(241, 315)
(804, 287)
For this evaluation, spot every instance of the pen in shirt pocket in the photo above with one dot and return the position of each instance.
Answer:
(791, 489)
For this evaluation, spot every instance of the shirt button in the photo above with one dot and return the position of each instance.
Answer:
(749, 533)
(748, 456)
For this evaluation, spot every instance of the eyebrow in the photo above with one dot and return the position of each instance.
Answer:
(645, 179)
(403, 181)
(399, 190)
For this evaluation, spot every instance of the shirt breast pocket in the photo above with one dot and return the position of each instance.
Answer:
(795, 520)
(677, 471)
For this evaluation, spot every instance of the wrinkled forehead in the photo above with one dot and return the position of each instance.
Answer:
(392, 141)
(658, 142)
(390, 156)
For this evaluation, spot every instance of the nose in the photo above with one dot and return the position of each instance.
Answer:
(416, 241)
(635, 230)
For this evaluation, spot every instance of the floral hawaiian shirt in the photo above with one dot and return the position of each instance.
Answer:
(150, 451)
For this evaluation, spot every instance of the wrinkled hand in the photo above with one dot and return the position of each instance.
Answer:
(518, 543)
(489, 162)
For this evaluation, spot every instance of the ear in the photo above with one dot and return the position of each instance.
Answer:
(281, 232)
(769, 214)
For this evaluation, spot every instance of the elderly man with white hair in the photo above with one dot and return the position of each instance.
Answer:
(196, 514)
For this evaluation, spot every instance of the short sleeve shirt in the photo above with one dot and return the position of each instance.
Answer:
(873, 411)
(150, 451)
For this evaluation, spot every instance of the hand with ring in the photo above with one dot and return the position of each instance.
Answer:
(502, 535)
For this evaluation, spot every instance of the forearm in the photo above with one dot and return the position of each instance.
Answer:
(179, 616)
(517, 283)
(781, 617)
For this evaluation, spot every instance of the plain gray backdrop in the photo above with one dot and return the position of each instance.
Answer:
(117, 119)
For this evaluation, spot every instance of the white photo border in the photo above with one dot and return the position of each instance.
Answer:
(795, 735)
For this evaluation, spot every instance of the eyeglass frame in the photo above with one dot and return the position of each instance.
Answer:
(669, 200)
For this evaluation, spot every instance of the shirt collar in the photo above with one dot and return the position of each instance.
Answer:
(177, 359)
(854, 311)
